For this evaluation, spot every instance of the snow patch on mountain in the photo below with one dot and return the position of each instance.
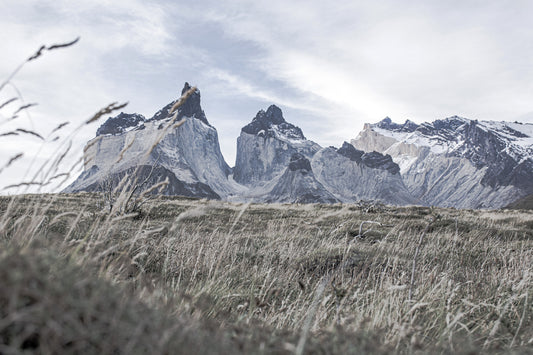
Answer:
(456, 161)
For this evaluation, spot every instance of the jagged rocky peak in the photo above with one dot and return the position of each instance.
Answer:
(120, 124)
(266, 145)
(373, 160)
(447, 127)
(268, 123)
(386, 123)
(377, 160)
(299, 162)
(409, 126)
(350, 152)
(190, 108)
(126, 122)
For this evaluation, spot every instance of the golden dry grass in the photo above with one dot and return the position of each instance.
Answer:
(264, 278)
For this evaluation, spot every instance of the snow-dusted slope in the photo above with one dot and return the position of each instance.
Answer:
(190, 152)
(265, 147)
(456, 161)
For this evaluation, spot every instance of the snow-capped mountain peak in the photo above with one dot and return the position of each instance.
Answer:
(456, 135)
(445, 160)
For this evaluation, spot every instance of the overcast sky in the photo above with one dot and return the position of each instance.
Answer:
(330, 67)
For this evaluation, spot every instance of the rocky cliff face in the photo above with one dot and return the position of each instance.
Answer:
(189, 154)
(458, 162)
(265, 147)
(298, 184)
(525, 203)
(354, 175)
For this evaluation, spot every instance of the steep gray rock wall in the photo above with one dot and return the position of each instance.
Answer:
(298, 185)
(191, 152)
(455, 182)
(351, 180)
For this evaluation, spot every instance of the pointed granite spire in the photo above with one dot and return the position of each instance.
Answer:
(190, 108)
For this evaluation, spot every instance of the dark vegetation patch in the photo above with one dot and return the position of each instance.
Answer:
(51, 305)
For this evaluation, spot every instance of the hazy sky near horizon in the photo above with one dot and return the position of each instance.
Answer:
(330, 67)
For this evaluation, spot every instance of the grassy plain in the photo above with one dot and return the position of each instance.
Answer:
(201, 276)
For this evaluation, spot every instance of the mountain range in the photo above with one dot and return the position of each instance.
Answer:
(454, 162)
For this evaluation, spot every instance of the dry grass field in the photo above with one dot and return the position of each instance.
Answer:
(194, 276)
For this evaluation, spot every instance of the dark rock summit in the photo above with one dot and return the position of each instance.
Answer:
(377, 160)
(350, 152)
(299, 162)
(264, 124)
(119, 124)
(387, 124)
(373, 160)
(190, 108)
(125, 121)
